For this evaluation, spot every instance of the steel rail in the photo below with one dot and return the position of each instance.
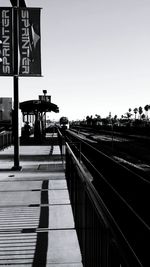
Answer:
(106, 156)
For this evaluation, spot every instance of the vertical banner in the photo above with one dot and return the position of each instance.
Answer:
(6, 48)
(29, 42)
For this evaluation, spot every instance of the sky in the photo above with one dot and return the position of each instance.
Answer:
(95, 57)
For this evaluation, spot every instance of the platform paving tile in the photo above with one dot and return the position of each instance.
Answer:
(64, 265)
(57, 184)
(63, 247)
(17, 248)
(29, 175)
(27, 150)
(60, 217)
(19, 198)
(56, 150)
(20, 185)
(18, 218)
(59, 197)
(51, 167)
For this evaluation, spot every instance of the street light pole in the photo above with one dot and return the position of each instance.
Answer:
(44, 92)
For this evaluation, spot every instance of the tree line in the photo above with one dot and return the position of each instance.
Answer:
(136, 116)
(142, 113)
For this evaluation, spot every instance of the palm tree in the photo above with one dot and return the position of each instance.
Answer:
(97, 119)
(140, 111)
(143, 116)
(135, 110)
(129, 114)
(146, 111)
(98, 116)
(89, 120)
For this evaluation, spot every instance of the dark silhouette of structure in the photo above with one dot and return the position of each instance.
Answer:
(37, 110)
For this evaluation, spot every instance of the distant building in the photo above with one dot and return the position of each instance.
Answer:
(5, 109)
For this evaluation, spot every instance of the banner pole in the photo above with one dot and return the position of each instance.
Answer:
(16, 91)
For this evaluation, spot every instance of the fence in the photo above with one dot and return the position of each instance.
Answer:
(101, 241)
(5, 139)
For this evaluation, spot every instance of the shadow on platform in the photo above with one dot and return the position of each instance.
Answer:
(31, 141)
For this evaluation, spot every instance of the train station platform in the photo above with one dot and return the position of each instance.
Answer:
(36, 221)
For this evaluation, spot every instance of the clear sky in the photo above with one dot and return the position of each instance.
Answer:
(95, 57)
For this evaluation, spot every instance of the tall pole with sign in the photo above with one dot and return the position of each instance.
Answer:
(19, 35)
(16, 90)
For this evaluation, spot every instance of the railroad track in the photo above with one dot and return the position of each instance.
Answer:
(124, 192)
(130, 150)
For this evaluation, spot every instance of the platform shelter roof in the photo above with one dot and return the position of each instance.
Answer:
(33, 106)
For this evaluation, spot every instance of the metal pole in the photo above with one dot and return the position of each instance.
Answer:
(16, 91)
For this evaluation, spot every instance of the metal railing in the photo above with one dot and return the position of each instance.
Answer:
(5, 139)
(101, 240)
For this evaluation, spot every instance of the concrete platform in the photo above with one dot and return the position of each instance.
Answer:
(36, 221)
